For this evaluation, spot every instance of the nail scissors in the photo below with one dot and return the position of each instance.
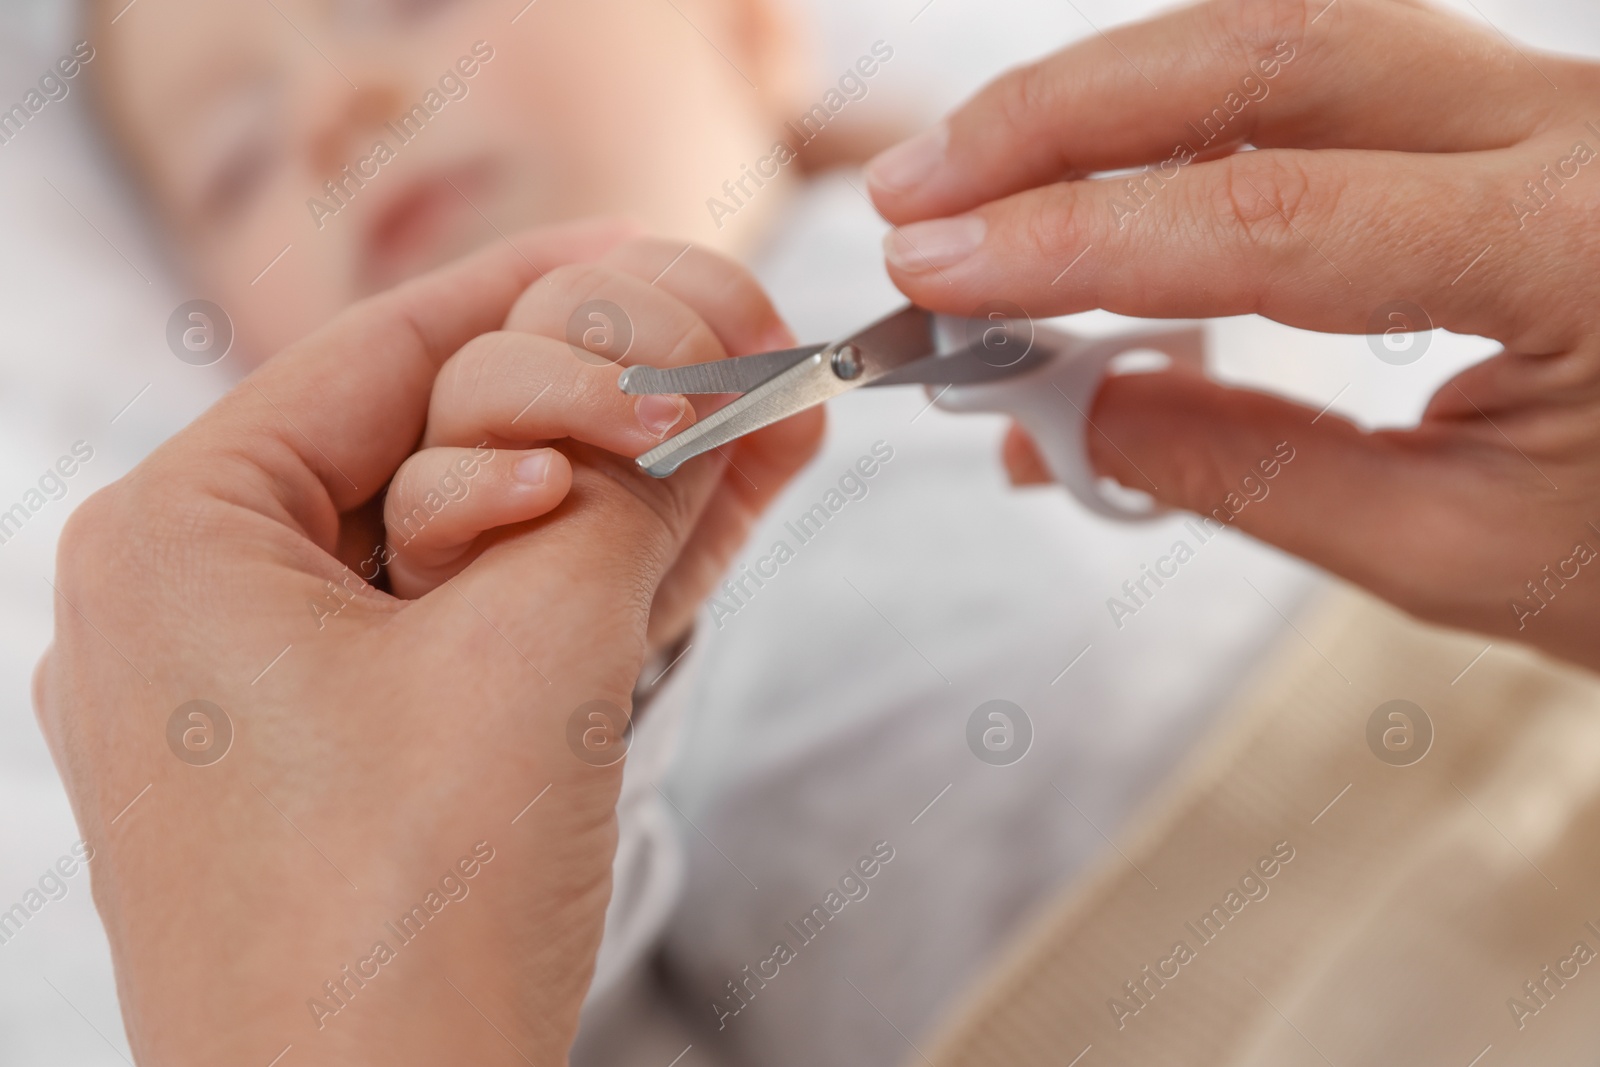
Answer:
(1000, 361)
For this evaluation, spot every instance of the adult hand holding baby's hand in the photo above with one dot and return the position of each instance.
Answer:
(1409, 167)
(524, 386)
(364, 874)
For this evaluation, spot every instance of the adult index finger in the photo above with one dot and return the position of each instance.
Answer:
(1319, 240)
(1201, 81)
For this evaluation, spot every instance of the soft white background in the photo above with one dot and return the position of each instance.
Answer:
(85, 292)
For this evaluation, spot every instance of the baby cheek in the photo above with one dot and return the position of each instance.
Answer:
(276, 283)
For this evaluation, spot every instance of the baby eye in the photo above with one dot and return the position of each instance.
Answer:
(394, 11)
(420, 9)
(242, 172)
(237, 149)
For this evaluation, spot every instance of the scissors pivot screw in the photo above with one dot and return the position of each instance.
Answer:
(847, 362)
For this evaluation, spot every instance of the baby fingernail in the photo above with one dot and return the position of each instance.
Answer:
(925, 246)
(909, 163)
(533, 469)
(658, 414)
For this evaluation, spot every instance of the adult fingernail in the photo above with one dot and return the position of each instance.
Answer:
(533, 469)
(925, 246)
(909, 163)
(658, 414)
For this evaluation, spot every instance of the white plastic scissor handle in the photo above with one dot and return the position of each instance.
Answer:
(1052, 403)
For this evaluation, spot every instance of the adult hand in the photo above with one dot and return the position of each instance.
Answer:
(1401, 155)
(404, 855)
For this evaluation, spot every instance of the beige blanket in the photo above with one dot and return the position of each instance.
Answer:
(1297, 900)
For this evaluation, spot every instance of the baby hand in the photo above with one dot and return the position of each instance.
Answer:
(512, 412)
(513, 395)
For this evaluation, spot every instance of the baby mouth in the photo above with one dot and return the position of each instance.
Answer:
(424, 223)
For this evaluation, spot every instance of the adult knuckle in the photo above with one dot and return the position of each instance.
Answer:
(120, 546)
(1246, 28)
(1267, 199)
(1022, 94)
(87, 538)
(1053, 224)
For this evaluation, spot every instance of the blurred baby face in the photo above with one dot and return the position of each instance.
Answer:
(305, 153)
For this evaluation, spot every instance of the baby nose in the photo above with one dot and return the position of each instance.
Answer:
(343, 122)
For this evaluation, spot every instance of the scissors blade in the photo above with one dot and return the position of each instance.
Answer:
(819, 374)
(906, 337)
(740, 374)
(805, 384)
(972, 362)
(967, 351)
(975, 364)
